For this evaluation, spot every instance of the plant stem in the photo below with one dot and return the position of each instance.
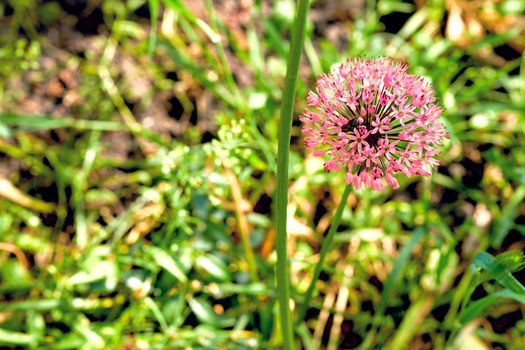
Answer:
(327, 243)
(285, 126)
(413, 319)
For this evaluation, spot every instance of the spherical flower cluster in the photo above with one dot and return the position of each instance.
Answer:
(373, 119)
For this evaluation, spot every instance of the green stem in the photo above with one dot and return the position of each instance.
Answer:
(327, 243)
(411, 323)
(285, 126)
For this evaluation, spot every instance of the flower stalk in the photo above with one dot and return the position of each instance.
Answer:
(285, 125)
(372, 120)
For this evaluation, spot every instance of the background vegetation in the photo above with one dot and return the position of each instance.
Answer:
(137, 165)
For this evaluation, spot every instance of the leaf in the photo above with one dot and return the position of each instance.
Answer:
(214, 266)
(414, 23)
(70, 341)
(156, 312)
(306, 337)
(103, 271)
(154, 11)
(5, 132)
(35, 324)
(15, 338)
(204, 312)
(167, 262)
(513, 260)
(478, 307)
(256, 56)
(179, 7)
(246, 289)
(175, 311)
(503, 224)
(401, 261)
(497, 271)
(96, 269)
(83, 326)
(45, 122)
(35, 305)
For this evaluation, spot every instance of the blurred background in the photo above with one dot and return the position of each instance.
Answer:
(137, 160)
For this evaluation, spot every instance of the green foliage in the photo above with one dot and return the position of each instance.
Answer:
(120, 226)
(499, 268)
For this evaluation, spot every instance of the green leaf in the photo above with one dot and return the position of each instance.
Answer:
(15, 338)
(246, 289)
(414, 23)
(503, 224)
(45, 122)
(179, 7)
(71, 341)
(154, 11)
(478, 307)
(395, 274)
(497, 271)
(35, 305)
(214, 266)
(83, 326)
(96, 268)
(156, 312)
(35, 325)
(5, 132)
(513, 260)
(204, 312)
(167, 262)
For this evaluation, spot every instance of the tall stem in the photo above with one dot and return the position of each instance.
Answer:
(325, 248)
(285, 125)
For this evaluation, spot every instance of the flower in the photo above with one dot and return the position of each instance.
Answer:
(373, 119)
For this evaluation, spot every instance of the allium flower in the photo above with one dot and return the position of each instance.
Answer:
(373, 119)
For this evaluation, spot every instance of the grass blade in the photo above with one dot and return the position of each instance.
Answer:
(45, 122)
(478, 307)
(154, 11)
(498, 271)
(506, 220)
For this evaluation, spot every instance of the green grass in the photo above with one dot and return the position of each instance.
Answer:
(121, 227)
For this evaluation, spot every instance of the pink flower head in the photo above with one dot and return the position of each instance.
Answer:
(373, 119)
